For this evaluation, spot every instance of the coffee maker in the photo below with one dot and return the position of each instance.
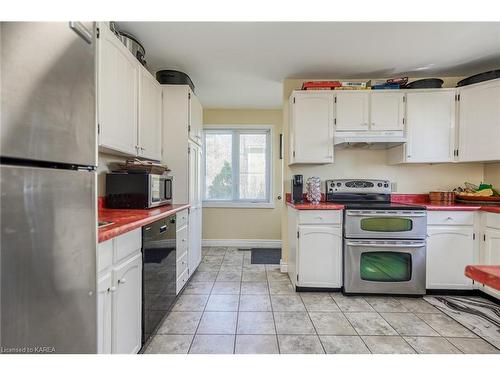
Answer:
(297, 188)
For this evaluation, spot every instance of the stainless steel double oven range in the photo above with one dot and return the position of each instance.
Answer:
(384, 242)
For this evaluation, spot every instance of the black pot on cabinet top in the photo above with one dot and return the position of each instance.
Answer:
(427, 83)
(481, 77)
(174, 77)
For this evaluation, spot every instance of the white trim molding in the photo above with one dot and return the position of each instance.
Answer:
(283, 266)
(250, 243)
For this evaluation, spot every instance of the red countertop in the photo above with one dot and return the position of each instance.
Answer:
(127, 220)
(423, 199)
(322, 205)
(487, 275)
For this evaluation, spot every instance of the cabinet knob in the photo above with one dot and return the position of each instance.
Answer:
(449, 218)
(183, 240)
(122, 281)
(112, 289)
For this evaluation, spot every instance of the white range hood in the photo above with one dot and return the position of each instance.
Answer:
(368, 139)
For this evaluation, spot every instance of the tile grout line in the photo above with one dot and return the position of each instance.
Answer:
(238, 312)
(272, 311)
(204, 308)
(354, 328)
(312, 323)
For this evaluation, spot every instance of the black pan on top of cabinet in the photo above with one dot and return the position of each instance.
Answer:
(427, 83)
(481, 77)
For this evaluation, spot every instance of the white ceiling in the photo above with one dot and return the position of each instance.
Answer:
(243, 64)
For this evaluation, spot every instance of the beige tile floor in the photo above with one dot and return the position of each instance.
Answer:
(232, 306)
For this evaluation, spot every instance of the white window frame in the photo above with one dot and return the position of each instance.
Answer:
(268, 203)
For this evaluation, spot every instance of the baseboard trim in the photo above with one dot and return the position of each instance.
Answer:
(283, 266)
(272, 244)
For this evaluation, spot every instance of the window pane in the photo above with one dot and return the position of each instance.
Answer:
(218, 166)
(253, 166)
(387, 224)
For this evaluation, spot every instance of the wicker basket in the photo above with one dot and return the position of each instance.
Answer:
(442, 196)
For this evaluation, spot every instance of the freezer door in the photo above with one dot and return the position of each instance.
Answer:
(48, 260)
(48, 91)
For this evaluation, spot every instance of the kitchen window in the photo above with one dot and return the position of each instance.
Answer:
(237, 169)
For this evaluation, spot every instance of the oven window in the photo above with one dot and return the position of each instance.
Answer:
(385, 266)
(386, 224)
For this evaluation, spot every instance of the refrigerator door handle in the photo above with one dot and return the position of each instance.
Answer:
(81, 30)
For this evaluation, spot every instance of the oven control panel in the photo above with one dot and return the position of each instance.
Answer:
(362, 186)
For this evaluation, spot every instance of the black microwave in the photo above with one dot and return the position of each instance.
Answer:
(137, 190)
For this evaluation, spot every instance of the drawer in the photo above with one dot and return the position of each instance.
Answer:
(320, 217)
(104, 255)
(493, 220)
(450, 218)
(127, 244)
(181, 281)
(182, 263)
(182, 236)
(182, 218)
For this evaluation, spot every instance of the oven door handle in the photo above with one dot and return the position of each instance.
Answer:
(357, 244)
(348, 213)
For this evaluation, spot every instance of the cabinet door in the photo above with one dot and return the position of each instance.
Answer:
(194, 249)
(449, 250)
(117, 94)
(386, 110)
(127, 302)
(491, 254)
(352, 110)
(194, 177)
(195, 118)
(479, 117)
(104, 292)
(319, 256)
(150, 103)
(430, 121)
(312, 128)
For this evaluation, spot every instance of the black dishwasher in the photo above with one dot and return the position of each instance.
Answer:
(158, 273)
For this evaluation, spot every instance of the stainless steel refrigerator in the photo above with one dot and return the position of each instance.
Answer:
(48, 187)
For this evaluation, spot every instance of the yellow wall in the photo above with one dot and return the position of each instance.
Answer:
(492, 174)
(246, 223)
(359, 163)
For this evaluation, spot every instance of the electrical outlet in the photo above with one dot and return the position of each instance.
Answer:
(394, 187)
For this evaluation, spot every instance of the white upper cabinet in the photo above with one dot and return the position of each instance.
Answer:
(117, 94)
(430, 127)
(479, 122)
(352, 110)
(386, 110)
(195, 118)
(150, 104)
(311, 127)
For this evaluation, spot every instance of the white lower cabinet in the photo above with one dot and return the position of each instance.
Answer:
(450, 248)
(183, 246)
(315, 243)
(127, 301)
(319, 256)
(104, 318)
(490, 247)
(119, 300)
